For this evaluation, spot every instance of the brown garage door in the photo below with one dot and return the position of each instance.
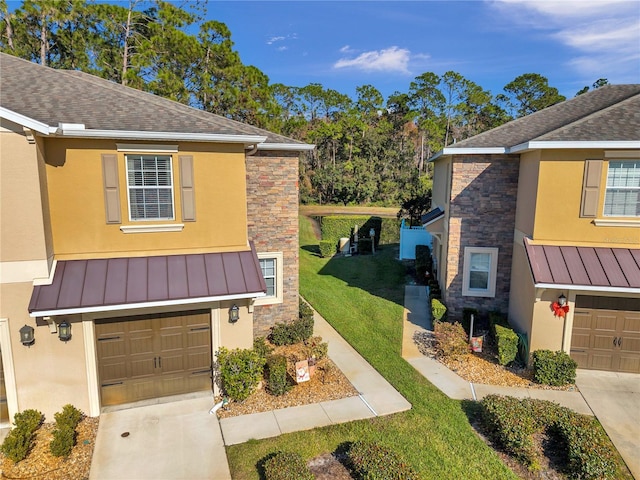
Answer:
(606, 339)
(153, 356)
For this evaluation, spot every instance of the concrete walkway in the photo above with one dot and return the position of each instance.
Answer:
(377, 397)
(614, 398)
(181, 440)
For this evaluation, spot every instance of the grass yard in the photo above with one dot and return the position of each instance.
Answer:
(362, 298)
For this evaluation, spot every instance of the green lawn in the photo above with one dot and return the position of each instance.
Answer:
(362, 298)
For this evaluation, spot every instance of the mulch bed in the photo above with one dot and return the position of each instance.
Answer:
(483, 367)
(40, 464)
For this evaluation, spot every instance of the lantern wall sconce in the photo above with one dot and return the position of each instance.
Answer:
(234, 313)
(562, 300)
(64, 331)
(27, 337)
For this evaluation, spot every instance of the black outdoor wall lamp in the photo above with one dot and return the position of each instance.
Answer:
(26, 336)
(234, 313)
(562, 300)
(64, 331)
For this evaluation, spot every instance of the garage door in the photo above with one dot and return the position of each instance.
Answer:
(606, 339)
(153, 356)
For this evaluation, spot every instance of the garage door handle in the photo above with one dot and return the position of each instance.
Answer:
(201, 372)
(108, 338)
(619, 341)
(111, 384)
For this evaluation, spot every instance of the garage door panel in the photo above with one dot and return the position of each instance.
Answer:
(631, 324)
(148, 357)
(606, 339)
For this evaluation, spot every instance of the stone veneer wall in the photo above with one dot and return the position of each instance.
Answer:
(272, 217)
(481, 214)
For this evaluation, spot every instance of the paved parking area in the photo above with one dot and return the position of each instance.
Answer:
(614, 399)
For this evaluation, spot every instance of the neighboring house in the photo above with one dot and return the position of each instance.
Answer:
(544, 207)
(144, 225)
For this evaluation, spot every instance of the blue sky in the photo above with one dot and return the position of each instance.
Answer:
(345, 44)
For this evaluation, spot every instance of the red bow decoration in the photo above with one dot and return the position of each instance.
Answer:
(559, 310)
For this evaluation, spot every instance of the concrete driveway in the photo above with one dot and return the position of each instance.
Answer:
(614, 399)
(177, 440)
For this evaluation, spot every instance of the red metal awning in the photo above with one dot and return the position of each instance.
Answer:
(589, 268)
(96, 285)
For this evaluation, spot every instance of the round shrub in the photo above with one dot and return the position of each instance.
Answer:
(18, 442)
(240, 372)
(64, 438)
(286, 466)
(69, 416)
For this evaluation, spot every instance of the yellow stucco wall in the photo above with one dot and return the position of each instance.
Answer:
(558, 204)
(76, 196)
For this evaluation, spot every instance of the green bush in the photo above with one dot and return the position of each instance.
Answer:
(262, 348)
(372, 461)
(466, 318)
(277, 381)
(64, 438)
(328, 248)
(316, 348)
(286, 466)
(335, 227)
(451, 339)
(438, 310)
(553, 368)
(18, 442)
(240, 372)
(589, 451)
(293, 332)
(389, 231)
(512, 423)
(304, 310)
(507, 341)
(69, 416)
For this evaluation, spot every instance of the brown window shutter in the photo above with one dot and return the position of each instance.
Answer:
(111, 187)
(591, 188)
(187, 189)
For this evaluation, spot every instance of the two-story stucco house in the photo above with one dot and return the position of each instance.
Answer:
(547, 208)
(151, 232)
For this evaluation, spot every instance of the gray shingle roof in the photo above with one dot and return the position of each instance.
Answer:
(64, 96)
(609, 113)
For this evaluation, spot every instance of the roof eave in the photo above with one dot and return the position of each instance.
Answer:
(586, 288)
(286, 146)
(162, 136)
(134, 306)
(25, 121)
(468, 151)
(575, 145)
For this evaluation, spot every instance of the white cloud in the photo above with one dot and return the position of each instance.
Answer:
(605, 34)
(392, 59)
(273, 40)
(282, 38)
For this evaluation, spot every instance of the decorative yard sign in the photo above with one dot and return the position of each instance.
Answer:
(302, 371)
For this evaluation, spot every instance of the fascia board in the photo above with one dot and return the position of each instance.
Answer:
(189, 137)
(134, 306)
(587, 288)
(563, 145)
(468, 151)
(286, 146)
(25, 121)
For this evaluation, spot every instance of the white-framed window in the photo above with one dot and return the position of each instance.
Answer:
(479, 271)
(272, 271)
(622, 196)
(150, 187)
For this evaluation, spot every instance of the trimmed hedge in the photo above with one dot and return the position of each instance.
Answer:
(512, 422)
(438, 310)
(553, 368)
(286, 466)
(328, 248)
(389, 231)
(372, 461)
(334, 227)
(293, 332)
(507, 341)
(277, 381)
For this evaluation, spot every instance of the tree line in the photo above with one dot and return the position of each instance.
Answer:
(369, 149)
